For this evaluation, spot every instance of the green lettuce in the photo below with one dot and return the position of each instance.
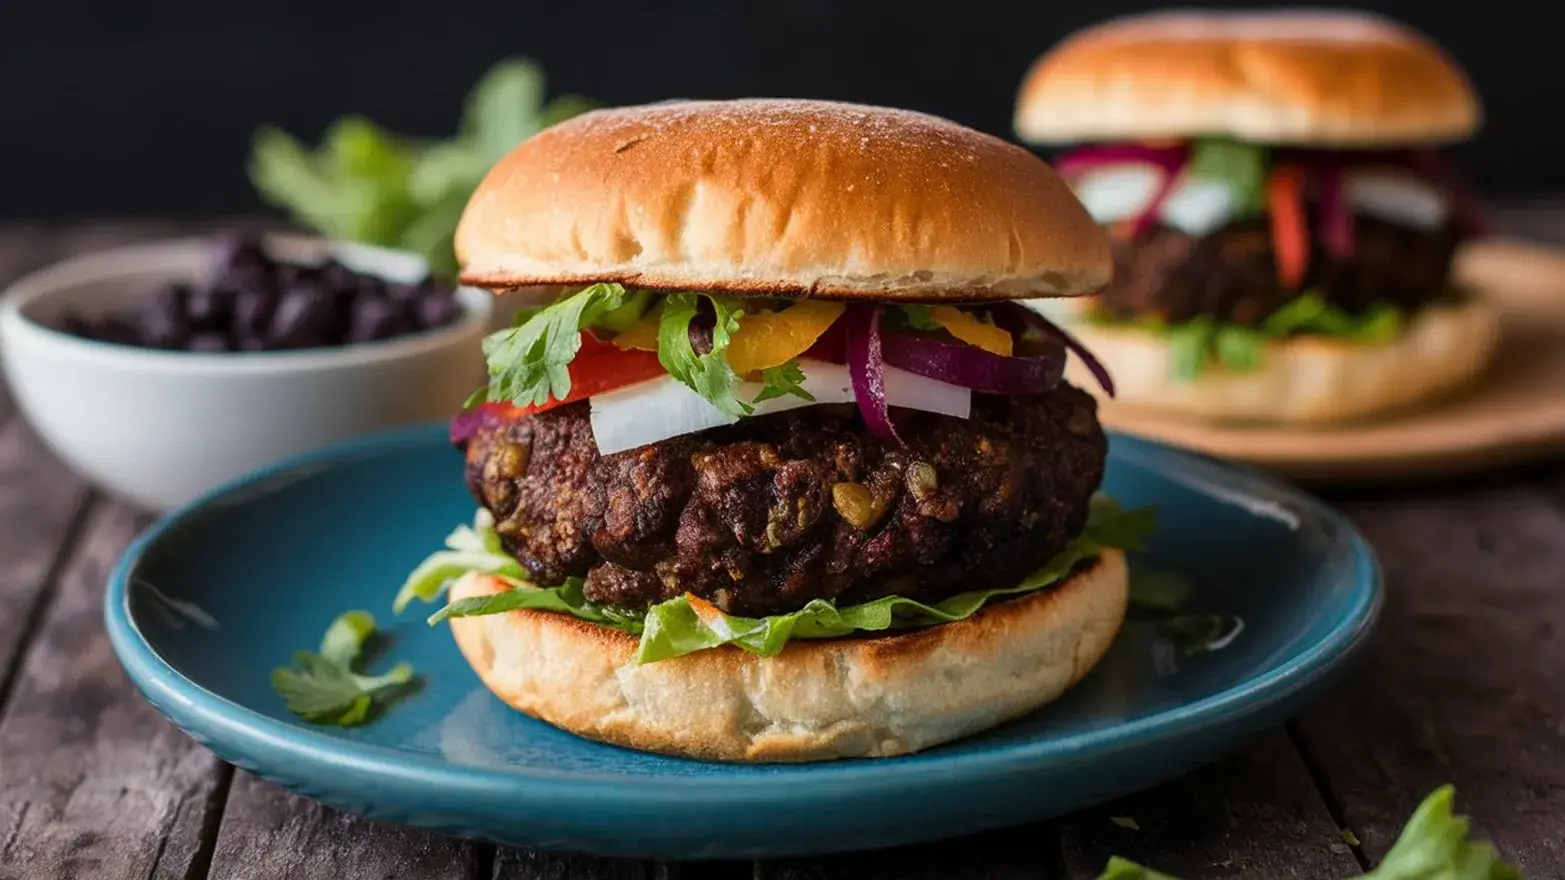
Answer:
(681, 626)
(1202, 341)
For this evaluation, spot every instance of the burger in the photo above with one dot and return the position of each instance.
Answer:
(1283, 226)
(778, 468)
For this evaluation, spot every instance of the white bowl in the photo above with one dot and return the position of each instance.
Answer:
(159, 428)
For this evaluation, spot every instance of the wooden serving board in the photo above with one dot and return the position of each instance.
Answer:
(1514, 413)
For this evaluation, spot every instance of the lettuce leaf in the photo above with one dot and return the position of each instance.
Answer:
(1202, 341)
(686, 624)
(1434, 846)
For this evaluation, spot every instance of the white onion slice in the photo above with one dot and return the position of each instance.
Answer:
(660, 408)
(1119, 192)
(1398, 197)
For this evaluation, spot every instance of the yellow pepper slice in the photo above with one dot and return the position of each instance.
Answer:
(643, 335)
(767, 339)
(972, 331)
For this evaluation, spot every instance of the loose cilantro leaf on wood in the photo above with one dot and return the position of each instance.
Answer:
(528, 363)
(781, 380)
(323, 687)
(708, 375)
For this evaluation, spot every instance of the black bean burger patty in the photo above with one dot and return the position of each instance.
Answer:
(1231, 274)
(763, 516)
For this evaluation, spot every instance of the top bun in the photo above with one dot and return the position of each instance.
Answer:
(800, 198)
(1341, 79)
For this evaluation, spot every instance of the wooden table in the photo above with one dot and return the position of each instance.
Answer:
(1464, 683)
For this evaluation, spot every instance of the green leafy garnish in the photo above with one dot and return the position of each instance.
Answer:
(781, 380)
(323, 687)
(1124, 869)
(1196, 344)
(918, 317)
(708, 375)
(681, 626)
(528, 363)
(368, 185)
(1311, 313)
(1127, 822)
(1433, 846)
(468, 548)
(1239, 165)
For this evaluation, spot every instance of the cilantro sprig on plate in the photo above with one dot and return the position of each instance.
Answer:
(324, 687)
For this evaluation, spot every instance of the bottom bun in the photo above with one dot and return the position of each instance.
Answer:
(1303, 380)
(818, 699)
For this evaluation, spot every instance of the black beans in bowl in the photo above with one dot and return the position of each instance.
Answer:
(256, 303)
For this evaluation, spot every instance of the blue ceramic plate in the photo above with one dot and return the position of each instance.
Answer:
(214, 596)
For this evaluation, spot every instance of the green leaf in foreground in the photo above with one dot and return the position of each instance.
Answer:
(681, 626)
(782, 380)
(475, 548)
(1124, 869)
(528, 364)
(323, 687)
(708, 375)
(1433, 846)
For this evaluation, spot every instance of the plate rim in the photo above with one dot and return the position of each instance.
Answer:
(240, 729)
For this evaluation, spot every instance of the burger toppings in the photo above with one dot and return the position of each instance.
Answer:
(731, 358)
(1224, 246)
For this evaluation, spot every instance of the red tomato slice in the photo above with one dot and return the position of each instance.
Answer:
(599, 367)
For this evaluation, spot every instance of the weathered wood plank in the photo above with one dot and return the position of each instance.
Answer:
(1255, 813)
(525, 864)
(1021, 853)
(1465, 682)
(39, 501)
(269, 832)
(93, 782)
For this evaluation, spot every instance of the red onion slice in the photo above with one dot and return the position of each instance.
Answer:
(1336, 215)
(972, 367)
(867, 369)
(1013, 313)
(1170, 161)
(465, 425)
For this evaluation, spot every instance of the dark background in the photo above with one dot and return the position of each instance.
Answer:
(125, 109)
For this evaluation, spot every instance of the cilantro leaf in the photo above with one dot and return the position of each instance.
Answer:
(918, 317)
(1242, 166)
(528, 363)
(323, 688)
(1239, 348)
(1189, 346)
(781, 380)
(366, 184)
(1124, 869)
(1434, 846)
(345, 639)
(708, 375)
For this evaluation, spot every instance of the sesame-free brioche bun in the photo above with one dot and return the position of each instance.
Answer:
(1325, 78)
(1305, 380)
(817, 700)
(797, 198)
